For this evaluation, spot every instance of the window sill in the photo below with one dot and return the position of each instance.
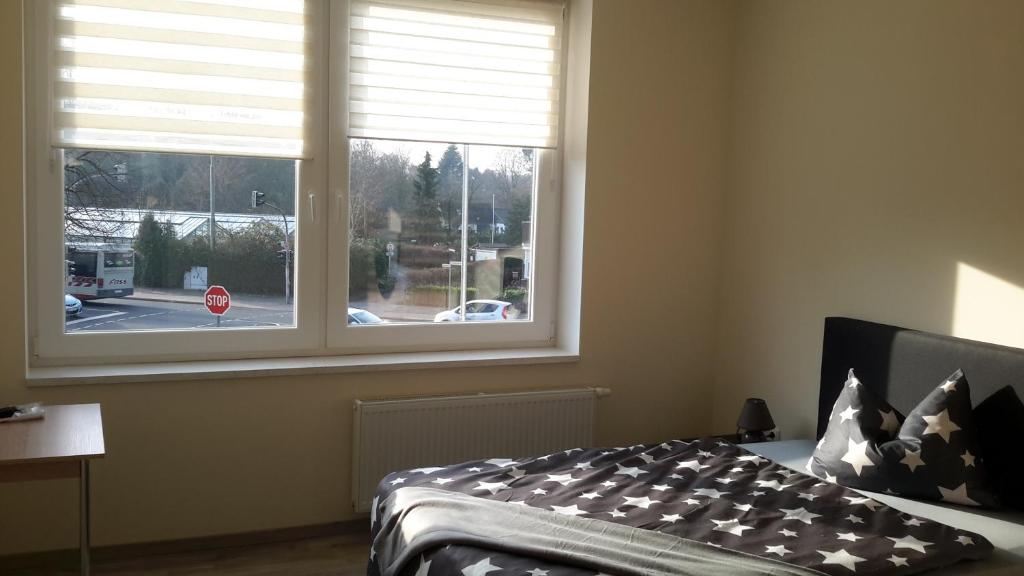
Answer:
(256, 368)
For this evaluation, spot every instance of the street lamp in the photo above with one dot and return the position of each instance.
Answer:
(259, 199)
(451, 263)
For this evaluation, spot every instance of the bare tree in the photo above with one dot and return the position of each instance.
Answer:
(513, 167)
(378, 181)
(94, 182)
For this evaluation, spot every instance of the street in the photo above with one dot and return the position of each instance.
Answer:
(176, 309)
(131, 314)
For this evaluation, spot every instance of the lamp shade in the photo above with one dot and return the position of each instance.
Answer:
(755, 416)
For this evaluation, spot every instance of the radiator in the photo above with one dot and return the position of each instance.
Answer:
(408, 433)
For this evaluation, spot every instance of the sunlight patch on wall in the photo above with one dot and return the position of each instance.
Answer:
(988, 308)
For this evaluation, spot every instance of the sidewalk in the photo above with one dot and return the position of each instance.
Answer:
(395, 310)
(181, 296)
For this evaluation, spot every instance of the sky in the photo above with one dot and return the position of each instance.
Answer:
(480, 157)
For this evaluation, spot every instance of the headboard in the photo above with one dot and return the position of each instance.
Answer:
(903, 365)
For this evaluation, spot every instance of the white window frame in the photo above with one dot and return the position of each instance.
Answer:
(49, 344)
(321, 240)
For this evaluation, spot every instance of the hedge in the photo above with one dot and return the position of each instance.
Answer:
(247, 261)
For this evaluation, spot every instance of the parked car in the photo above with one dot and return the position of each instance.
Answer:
(360, 316)
(477, 310)
(72, 306)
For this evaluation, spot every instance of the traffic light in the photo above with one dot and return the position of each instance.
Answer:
(257, 199)
(281, 257)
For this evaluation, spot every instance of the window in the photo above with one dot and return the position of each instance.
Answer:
(119, 260)
(364, 176)
(414, 206)
(166, 227)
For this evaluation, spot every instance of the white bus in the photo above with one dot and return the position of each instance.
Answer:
(100, 271)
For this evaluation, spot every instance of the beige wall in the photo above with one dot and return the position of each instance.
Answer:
(876, 169)
(196, 458)
(868, 155)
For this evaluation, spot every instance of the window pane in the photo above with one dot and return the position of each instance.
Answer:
(405, 215)
(501, 184)
(407, 201)
(138, 245)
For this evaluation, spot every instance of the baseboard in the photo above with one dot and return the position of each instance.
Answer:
(102, 554)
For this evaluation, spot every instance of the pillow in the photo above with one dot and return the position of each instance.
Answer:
(934, 453)
(1000, 420)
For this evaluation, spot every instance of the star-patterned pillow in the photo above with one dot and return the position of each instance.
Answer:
(931, 454)
(1000, 419)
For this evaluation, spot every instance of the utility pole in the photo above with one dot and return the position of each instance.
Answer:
(463, 261)
(287, 262)
(213, 232)
(258, 200)
(492, 218)
(213, 218)
(449, 265)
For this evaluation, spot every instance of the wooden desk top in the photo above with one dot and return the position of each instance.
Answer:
(67, 432)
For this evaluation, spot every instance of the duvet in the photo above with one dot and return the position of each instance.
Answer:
(708, 494)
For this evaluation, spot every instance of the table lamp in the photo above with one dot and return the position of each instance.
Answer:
(755, 423)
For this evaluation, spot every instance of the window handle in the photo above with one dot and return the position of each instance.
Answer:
(312, 207)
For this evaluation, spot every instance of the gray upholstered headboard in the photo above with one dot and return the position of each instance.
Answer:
(904, 365)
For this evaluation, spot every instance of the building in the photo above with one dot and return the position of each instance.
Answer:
(118, 226)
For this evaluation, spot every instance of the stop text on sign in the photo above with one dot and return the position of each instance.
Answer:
(217, 300)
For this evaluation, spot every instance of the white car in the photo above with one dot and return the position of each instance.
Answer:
(360, 316)
(477, 310)
(72, 306)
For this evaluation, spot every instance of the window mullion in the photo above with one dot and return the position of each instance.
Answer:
(464, 263)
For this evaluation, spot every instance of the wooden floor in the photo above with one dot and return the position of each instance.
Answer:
(343, 555)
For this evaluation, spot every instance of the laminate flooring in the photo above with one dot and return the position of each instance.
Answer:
(340, 555)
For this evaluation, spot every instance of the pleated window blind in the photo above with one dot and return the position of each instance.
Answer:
(195, 76)
(460, 71)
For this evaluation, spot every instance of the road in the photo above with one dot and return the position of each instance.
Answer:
(177, 312)
(126, 314)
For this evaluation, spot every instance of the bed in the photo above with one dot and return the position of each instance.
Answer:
(704, 507)
(1003, 528)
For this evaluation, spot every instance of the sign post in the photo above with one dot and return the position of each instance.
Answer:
(217, 301)
(390, 250)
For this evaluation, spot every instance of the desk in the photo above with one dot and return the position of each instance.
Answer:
(59, 445)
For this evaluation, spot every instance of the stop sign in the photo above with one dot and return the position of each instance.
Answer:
(217, 300)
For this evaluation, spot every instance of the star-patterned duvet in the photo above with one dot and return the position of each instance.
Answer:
(708, 491)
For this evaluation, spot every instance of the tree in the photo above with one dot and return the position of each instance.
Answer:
(363, 161)
(449, 170)
(94, 181)
(233, 180)
(247, 260)
(152, 245)
(519, 212)
(513, 168)
(426, 211)
(476, 185)
(378, 182)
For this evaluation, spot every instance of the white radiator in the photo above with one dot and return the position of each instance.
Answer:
(408, 433)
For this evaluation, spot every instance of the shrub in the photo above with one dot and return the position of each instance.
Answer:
(471, 291)
(514, 295)
(360, 267)
(247, 261)
(429, 276)
(422, 256)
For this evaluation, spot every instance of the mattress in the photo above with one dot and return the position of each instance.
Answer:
(708, 492)
(1004, 529)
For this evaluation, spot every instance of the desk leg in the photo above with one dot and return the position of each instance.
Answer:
(83, 516)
